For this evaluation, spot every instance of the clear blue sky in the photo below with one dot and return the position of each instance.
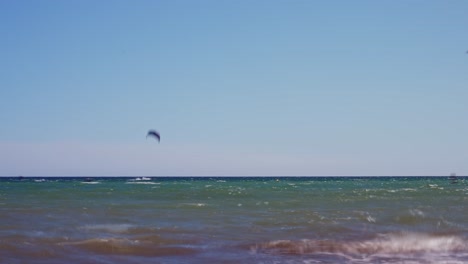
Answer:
(234, 87)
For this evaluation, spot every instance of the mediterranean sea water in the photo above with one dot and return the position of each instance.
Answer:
(234, 220)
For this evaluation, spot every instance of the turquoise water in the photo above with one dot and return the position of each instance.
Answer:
(234, 220)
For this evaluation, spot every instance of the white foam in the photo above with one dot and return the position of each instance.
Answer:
(395, 244)
(195, 204)
(371, 219)
(417, 212)
(404, 243)
(142, 182)
(141, 179)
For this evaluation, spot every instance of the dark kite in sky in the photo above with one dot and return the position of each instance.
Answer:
(155, 134)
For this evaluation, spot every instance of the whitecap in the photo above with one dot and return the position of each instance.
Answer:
(195, 204)
(140, 179)
(394, 244)
(417, 212)
(142, 182)
(143, 179)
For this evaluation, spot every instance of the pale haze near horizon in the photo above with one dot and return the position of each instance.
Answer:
(304, 88)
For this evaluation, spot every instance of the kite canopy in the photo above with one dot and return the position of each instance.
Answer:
(154, 133)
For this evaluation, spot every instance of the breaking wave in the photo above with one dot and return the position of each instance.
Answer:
(399, 245)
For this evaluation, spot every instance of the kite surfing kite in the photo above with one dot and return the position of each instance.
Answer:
(154, 133)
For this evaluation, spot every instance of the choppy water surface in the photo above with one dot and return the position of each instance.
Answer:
(234, 220)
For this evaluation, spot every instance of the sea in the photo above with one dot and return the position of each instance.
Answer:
(233, 220)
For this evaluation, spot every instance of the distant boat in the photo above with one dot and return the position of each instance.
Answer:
(90, 181)
(453, 178)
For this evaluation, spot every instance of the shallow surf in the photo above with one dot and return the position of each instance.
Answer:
(233, 220)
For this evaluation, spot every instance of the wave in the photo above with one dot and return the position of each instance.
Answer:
(141, 179)
(90, 182)
(123, 239)
(142, 182)
(111, 228)
(402, 244)
(194, 204)
(153, 246)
